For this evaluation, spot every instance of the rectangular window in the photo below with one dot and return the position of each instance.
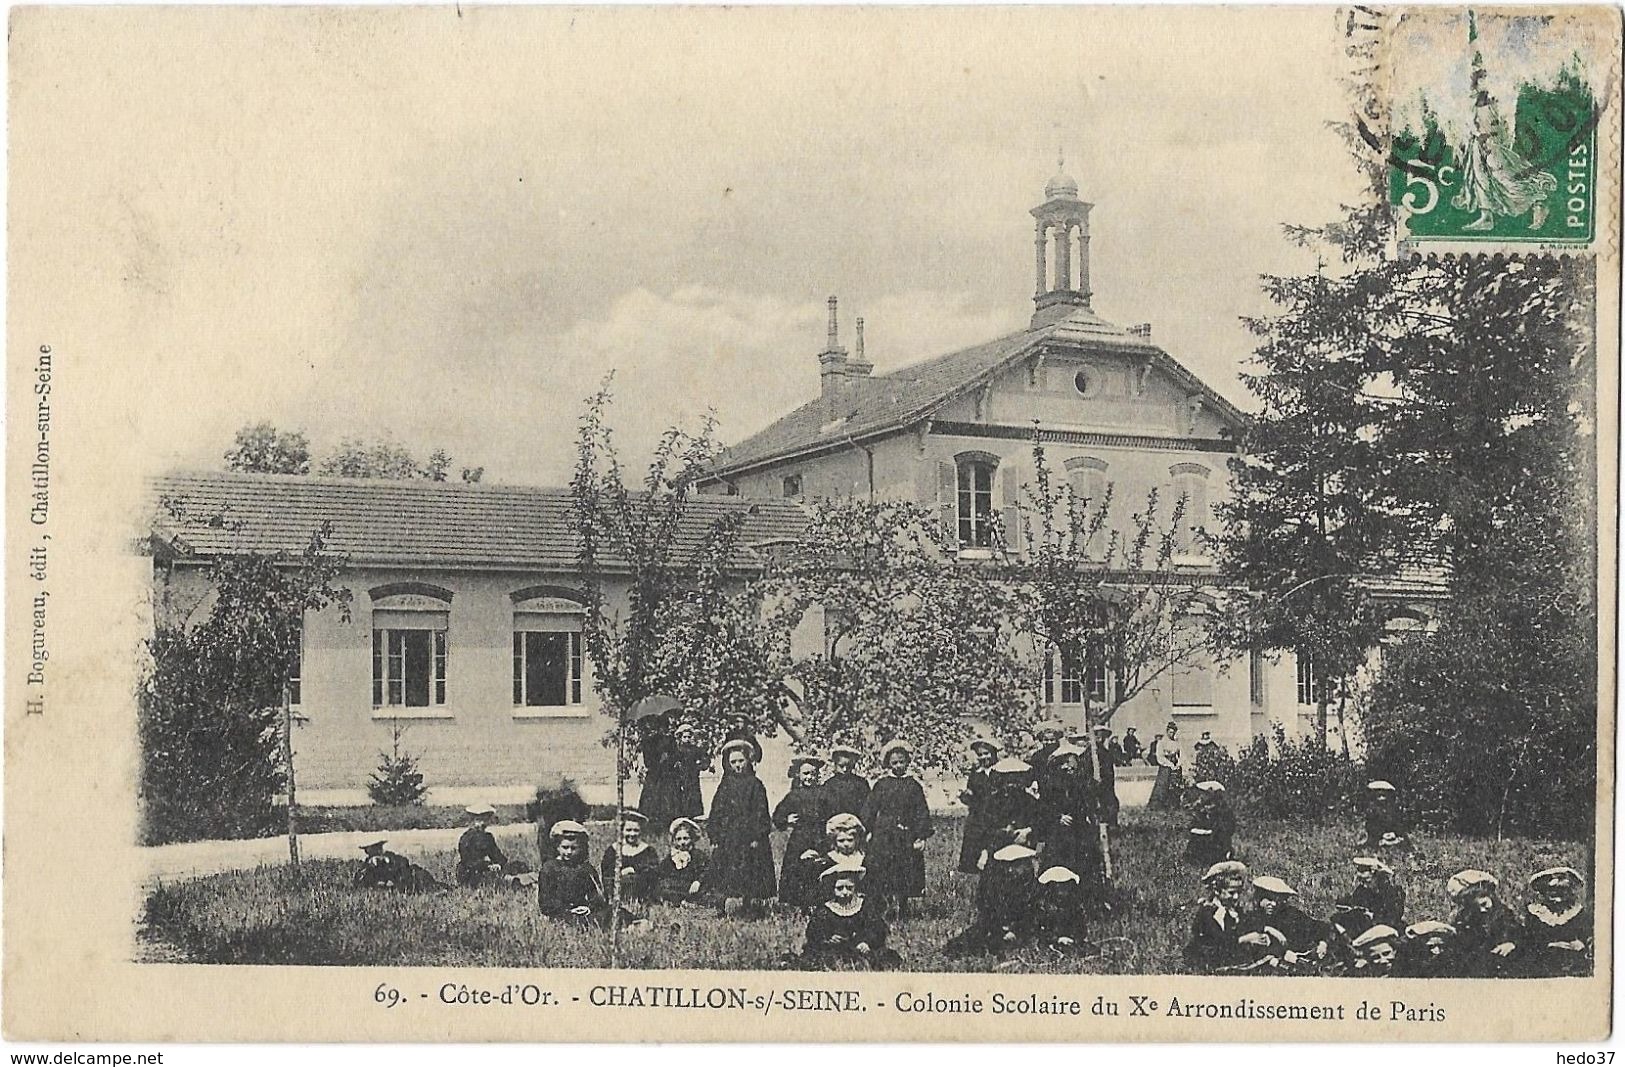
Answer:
(1192, 684)
(975, 486)
(546, 668)
(1073, 680)
(792, 486)
(1306, 679)
(1255, 677)
(408, 668)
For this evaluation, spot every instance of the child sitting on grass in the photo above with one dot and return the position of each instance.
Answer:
(568, 889)
(847, 928)
(681, 874)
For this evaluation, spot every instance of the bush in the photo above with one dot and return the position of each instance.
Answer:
(1281, 776)
(397, 780)
(210, 746)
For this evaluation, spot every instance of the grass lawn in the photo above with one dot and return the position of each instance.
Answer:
(272, 916)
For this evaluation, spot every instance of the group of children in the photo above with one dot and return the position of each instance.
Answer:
(854, 859)
(1366, 935)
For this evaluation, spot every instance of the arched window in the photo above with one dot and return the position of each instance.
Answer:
(1190, 485)
(974, 472)
(548, 666)
(1087, 477)
(409, 646)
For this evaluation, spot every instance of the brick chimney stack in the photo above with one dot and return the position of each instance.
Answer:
(857, 366)
(832, 363)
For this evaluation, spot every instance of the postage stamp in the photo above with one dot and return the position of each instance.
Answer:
(1494, 125)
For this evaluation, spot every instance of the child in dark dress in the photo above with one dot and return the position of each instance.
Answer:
(1215, 940)
(899, 823)
(640, 862)
(742, 829)
(1069, 828)
(1005, 905)
(1060, 917)
(1213, 826)
(568, 889)
(978, 786)
(1384, 822)
(1427, 951)
(1487, 931)
(844, 835)
(1557, 925)
(845, 790)
(1013, 813)
(681, 875)
(847, 929)
(803, 812)
(1377, 891)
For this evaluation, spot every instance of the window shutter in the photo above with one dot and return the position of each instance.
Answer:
(948, 500)
(1015, 538)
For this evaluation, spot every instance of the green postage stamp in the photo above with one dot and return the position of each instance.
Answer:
(1494, 125)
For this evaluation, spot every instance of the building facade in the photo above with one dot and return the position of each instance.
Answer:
(1117, 414)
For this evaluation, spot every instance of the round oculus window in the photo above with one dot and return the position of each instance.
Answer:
(1083, 382)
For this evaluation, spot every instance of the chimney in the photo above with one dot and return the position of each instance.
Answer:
(832, 365)
(857, 366)
(1141, 330)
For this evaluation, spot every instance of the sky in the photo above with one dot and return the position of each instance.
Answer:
(447, 228)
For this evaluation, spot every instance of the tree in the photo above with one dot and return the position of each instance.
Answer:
(1438, 413)
(261, 448)
(212, 702)
(1108, 596)
(387, 458)
(914, 644)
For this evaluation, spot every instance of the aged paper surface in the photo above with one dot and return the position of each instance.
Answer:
(440, 228)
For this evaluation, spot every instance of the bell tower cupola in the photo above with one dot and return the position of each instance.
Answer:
(1061, 246)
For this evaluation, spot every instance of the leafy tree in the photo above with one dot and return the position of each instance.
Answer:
(1438, 413)
(387, 458)
(211, 703)
(914, 645)
(261, 448)
(1108, 596)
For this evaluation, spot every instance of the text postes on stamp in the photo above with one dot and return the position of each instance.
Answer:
(1494, 125)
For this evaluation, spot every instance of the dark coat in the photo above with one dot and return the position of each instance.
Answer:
(638, 873)
(1544, 950)
(897, 816)
(811, 808)
(1132, 749)
(1109, 759)
(833, 937)
(1010, 810)
(846, 792)
(1415, 961)
(1383, 817)
(742, 829)
(1386, 903)
(1207, 849)
(1303, 932)
(1075, 847)
(1060, 910)
(391, 870)
(1477, 935)
(978, 789)
(562, 887)
(1214, 940)
(1005, 910)
(671, 780)
(476, 850)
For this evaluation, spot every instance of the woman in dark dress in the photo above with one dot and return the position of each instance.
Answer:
(804, 812)
(848, 928)
(742, 829)
(1488, 933)
(978, 787)
(899, 823)
(1557, 925)
(671, 772)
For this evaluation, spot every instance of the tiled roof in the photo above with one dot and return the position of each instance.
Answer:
(411, 523)
(890, 401)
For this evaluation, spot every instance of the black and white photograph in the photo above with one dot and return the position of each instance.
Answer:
(964, 516)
